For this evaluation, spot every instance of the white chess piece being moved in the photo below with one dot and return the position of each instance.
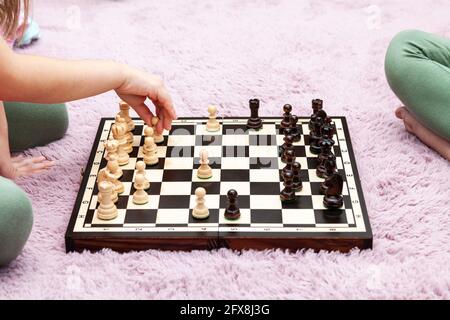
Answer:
(156, 136)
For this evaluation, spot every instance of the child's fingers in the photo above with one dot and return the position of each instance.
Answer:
(26, 162)
(167, 120)
(164, 100)
(159, 125)
(144, 113)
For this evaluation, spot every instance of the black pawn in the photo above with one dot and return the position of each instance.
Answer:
(333, 198)
(331, 168)
(317, 105)
(297, 182)
(232, 211)
(288, 193)
(254, 122)
(286, 122)
(294, 129)
(288, 141)
(289, 158)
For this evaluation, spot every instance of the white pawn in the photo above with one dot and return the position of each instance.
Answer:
(200, 211)
(204, 171)
(140, 169)
(212, 124)
(157, 137)
(149, 132)
(149, 151)
(125, 112)
(140, 196)
(119, 130)
(107, 210)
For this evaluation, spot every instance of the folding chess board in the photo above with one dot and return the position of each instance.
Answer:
(241, 159)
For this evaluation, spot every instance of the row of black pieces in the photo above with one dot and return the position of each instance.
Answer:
(327, 168)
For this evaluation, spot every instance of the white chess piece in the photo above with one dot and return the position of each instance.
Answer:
(111, 147)
(107, 210)
(128, 136)
(140, 169)
(140, 196)
(150, 132)
(125, 112)
(113, 173)
(119, 130)
(157, 137)
(212, 124)
(200, 211)
(149, 151)
(204, 171)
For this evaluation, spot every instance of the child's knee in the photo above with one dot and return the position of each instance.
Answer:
(397, 61)
(16, 220)
(61, 121)
(407, 36)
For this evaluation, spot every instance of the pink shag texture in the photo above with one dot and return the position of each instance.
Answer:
(226, 52)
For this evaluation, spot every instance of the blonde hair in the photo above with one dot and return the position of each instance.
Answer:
(10, 15)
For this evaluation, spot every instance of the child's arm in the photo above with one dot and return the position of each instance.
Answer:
(45, 80)
(13, 168)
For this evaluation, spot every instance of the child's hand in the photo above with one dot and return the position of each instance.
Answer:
(140, 85)
(22, 167)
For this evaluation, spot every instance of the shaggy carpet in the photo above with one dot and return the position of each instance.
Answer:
(225, 52)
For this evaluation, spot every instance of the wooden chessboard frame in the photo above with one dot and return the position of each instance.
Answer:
(186, 241)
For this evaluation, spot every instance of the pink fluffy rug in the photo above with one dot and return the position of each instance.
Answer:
(225, 52)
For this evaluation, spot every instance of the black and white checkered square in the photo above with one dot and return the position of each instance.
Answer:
(241, 159)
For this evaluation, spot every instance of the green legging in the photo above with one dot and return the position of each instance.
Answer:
(418, 71)
(29, 125)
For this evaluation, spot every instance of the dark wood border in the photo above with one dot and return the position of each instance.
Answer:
(128, 241)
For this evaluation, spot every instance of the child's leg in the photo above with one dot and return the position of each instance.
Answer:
(33, 125)
(16, 220)
(418, 71)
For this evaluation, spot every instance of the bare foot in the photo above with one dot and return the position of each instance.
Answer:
(427, 136)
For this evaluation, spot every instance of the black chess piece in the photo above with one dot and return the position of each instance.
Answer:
(331, 168)
(315, 135)
(254, 122)
(286, 121)
(289, 159)
(232, 212)
(295, 131)
(328, 123)
(288, 141)
(288, 193)
(288, 147)
(333, 198)
(297, 182)
(317, 105)
(326, 143)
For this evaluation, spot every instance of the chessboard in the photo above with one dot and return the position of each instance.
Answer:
(241, 159)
